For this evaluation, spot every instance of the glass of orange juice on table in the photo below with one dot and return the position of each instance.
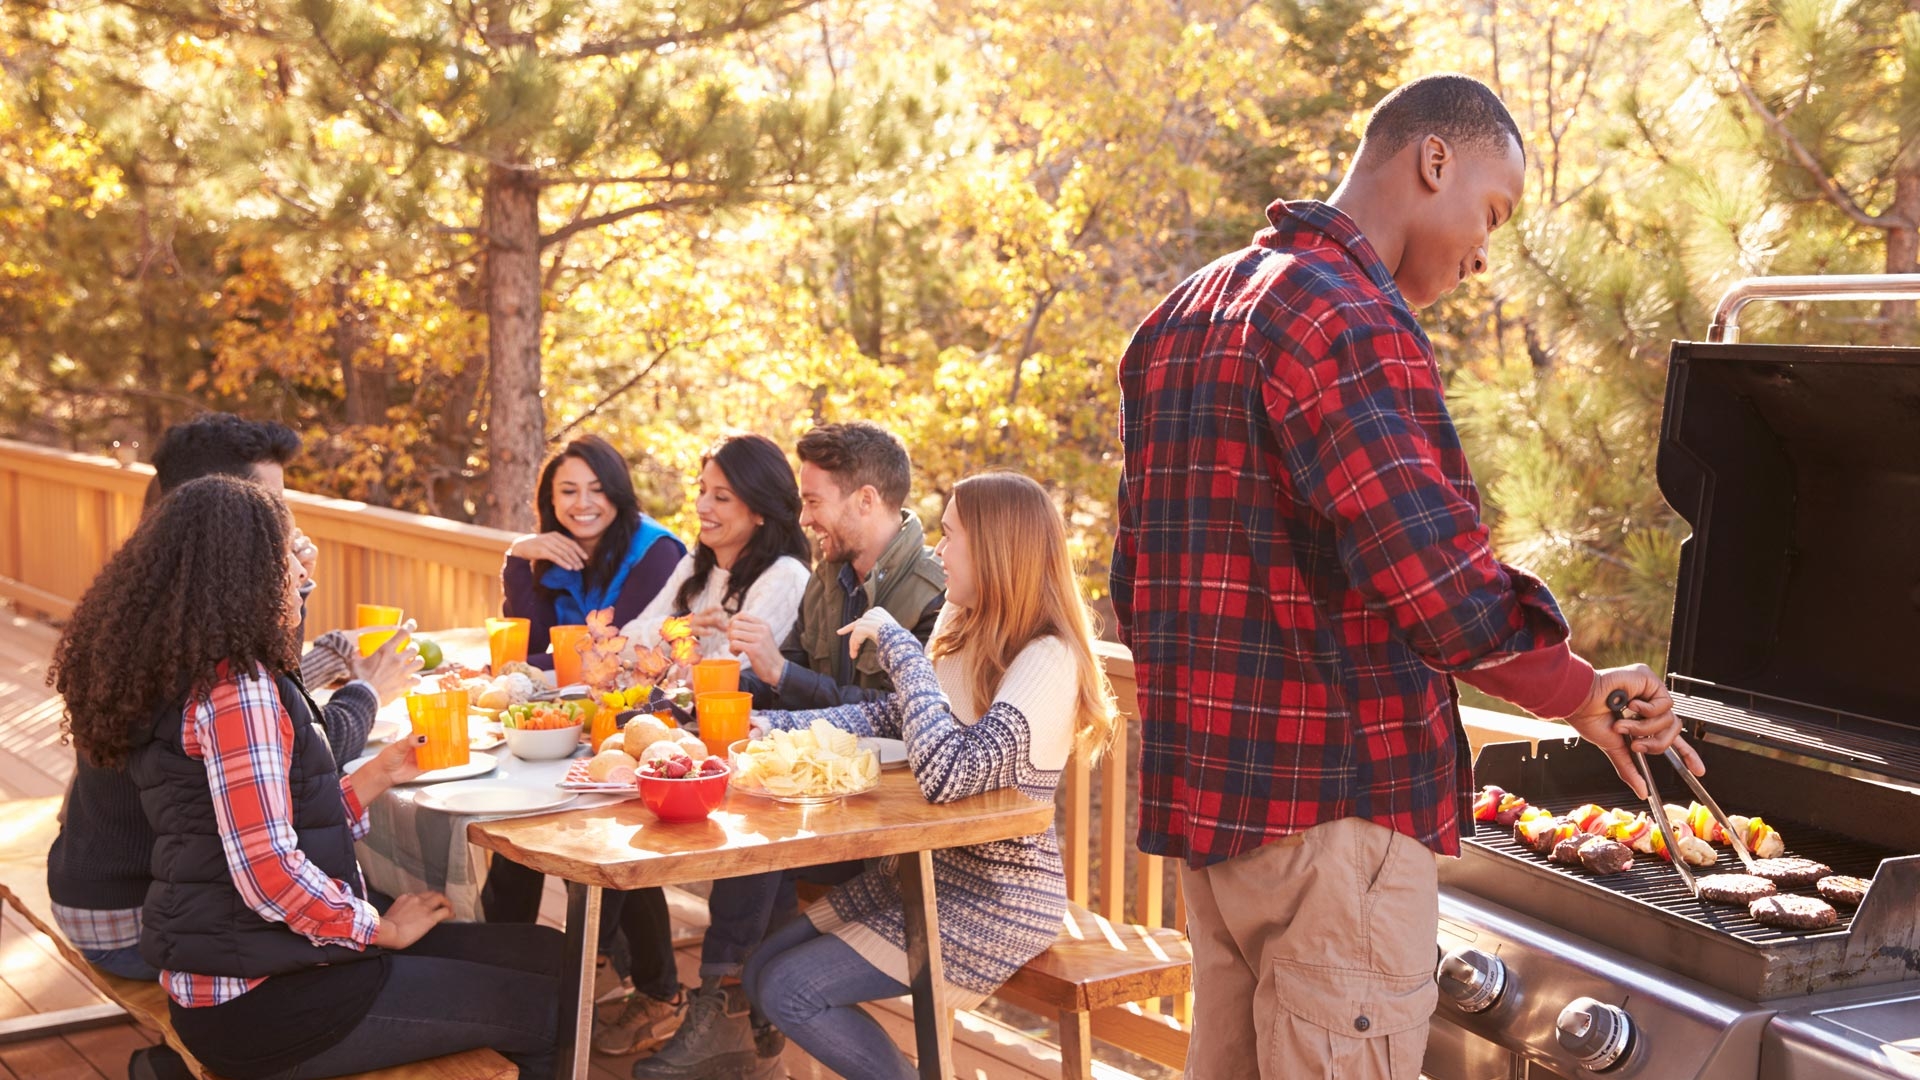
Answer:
(715, 677)
(507, 641)
(374, 615)
(724, 718)
(566, 653)
(442, 718)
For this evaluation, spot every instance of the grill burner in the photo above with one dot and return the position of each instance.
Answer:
(1653, 882)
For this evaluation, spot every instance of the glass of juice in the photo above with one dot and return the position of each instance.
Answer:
(374, 615)
(716, 677)
(442, 718)
(566, 653)
(507, 641)
(724, 718)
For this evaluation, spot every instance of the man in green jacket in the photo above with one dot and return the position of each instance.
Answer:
(853, 490)
(873, 553)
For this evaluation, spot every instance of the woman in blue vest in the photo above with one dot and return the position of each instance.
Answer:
(178, 666)
(594, 550)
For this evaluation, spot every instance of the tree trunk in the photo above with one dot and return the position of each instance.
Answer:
(1903, 248)
(516, 416)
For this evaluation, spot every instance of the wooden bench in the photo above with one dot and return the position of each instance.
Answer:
(1090, 978)
(27, 828)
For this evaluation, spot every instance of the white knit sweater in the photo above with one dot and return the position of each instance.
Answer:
(774, 598)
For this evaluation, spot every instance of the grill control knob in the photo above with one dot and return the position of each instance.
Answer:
(1472, 979)
(1595, 1032)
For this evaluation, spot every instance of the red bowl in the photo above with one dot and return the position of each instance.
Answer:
(690, 798)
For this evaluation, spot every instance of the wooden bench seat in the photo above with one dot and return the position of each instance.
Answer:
(1091, 974)
(27, 829)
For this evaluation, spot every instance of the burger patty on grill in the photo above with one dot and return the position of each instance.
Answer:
(1791, 873)
(1842, 889)
(1793, 912)
(1739, 889)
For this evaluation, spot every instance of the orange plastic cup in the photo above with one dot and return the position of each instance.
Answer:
(715, 677)
(606, 724)
(566, 653)
(724, 718)
(374, 615)
(442, 718)
(507, 641)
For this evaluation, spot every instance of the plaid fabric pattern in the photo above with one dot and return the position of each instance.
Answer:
(239, 729)
(1300, 560)
(98, 930)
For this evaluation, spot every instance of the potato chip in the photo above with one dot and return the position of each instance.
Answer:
(818, 761)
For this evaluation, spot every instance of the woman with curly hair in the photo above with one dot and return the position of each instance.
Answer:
(177, 667)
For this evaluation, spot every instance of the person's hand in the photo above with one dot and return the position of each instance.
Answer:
(410, 917)
(396, 763)
(757, 727)
(393, 668)
(306, 551)
(867, 628)
(751, 637)
(710, 621)
(555, 547)
(1650, 728)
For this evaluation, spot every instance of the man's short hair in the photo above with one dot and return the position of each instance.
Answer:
(1458, 108)
(220, 444)
(857, 454)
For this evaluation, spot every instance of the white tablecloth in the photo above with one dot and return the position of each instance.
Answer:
(409, 848)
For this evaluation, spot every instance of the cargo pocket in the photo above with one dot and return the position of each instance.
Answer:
(1348, 1025)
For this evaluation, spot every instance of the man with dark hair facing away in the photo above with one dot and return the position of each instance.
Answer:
(1301, 572)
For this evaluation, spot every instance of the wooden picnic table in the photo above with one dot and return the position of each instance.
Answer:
(624, 846)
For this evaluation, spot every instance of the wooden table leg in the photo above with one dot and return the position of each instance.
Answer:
(932, 1027)
(576, 994)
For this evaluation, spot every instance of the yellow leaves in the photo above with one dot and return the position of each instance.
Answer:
(340, 133)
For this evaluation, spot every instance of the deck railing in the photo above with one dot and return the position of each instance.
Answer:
(62, 515)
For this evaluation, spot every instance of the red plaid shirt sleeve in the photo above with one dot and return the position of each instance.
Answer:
(245, 738)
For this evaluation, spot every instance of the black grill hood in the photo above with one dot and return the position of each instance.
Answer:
(1796, 623)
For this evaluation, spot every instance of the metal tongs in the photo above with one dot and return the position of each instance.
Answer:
(1617, 703)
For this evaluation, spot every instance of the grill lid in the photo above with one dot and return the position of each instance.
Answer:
(1796, 624)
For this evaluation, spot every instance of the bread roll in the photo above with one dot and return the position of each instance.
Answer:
(665, 748)
(691, 743)
(611, 767)
(642, 732)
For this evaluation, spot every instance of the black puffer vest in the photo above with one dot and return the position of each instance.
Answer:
(196, 920)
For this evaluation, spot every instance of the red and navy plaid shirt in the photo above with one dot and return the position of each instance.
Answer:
(239, 729)
(1300, 561)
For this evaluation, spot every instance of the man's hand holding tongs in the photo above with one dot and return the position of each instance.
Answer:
(1649, 727)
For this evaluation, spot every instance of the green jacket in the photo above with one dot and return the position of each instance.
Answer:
(907, 580)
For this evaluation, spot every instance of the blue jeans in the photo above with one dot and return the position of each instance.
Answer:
(462, 986)
(512, 895)
(742, 909)
(807, 984)
(124, 962)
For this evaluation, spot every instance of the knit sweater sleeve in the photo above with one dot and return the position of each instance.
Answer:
(774, 597)
(880, 717)
(952, 760)
(347, 717)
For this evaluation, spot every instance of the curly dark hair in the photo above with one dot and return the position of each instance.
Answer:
(762, 478)
(202, 581)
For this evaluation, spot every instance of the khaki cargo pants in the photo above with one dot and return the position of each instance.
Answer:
(1314, 957)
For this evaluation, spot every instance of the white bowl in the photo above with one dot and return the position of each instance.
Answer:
(550, 744)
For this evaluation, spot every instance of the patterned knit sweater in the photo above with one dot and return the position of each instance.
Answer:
(999, 904)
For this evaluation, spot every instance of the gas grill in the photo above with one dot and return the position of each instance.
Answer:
(1795, 666)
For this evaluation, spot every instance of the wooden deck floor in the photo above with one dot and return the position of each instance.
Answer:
(33, 979)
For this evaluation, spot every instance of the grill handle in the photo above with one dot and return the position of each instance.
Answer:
(1726, 316)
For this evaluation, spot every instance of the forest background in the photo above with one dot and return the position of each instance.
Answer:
(439, 237)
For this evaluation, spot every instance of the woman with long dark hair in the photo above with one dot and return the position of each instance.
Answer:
(178, 667)
(595, 549)
(751, 556)
(750, 559)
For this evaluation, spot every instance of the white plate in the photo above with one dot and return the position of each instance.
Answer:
(891, 752)
(383, 731)
(470, 798)
(477, 765)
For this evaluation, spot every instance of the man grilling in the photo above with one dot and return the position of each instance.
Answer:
(1301, 573)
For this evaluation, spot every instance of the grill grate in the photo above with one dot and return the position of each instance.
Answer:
(1653, 882)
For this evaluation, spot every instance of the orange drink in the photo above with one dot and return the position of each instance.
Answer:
(724, 718)
(715, 677)
(507, 641)
(606, 724)
(442, 718)
(374, 615)
(566, 653)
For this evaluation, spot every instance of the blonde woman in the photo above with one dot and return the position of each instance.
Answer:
(1005, 692)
